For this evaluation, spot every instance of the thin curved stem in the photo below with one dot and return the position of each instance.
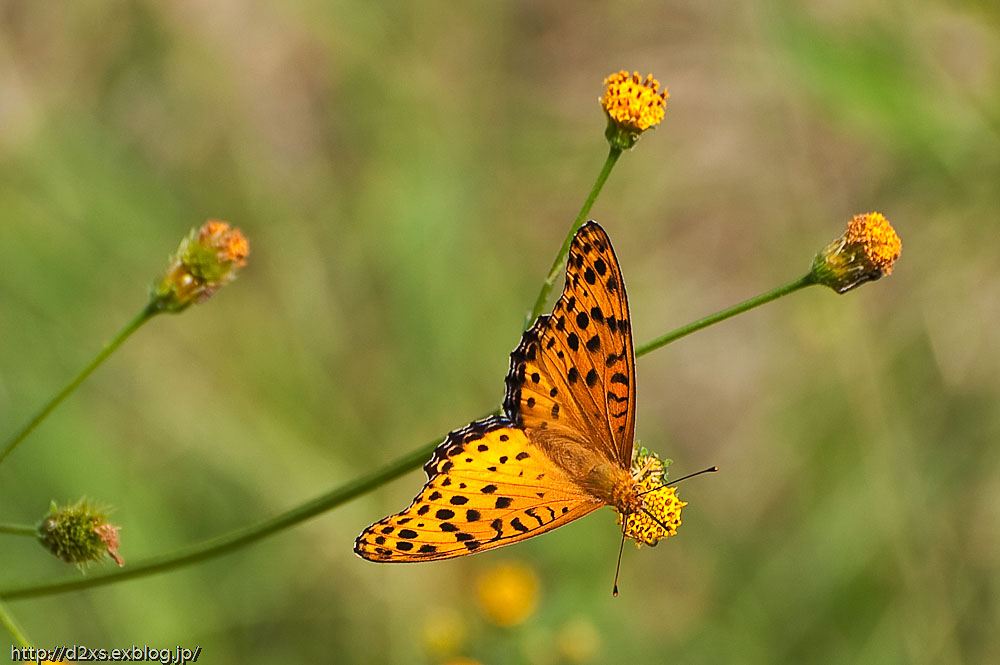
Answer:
(235, 539)
(724, 314)
(19, 530)
(7, 621)
(254, 532)
(556, 270)
(145, 315)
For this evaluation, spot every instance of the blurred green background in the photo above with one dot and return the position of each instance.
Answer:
(405, 175)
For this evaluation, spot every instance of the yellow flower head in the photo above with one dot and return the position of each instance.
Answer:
(444, 631)
(632, 106)
(662, 514)
(508, 593)
(79, 533)
(207, 259)
(579, 641)
(865, 252)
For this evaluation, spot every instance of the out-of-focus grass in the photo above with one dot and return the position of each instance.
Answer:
(405, 177)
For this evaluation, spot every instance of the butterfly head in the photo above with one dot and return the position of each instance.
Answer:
(655, 512)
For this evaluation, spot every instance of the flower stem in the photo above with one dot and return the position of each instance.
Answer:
(234, 539)
(19, 530)
(7, 621)
(238, 538)
(556, 270)
(147, 313)
(722, 315)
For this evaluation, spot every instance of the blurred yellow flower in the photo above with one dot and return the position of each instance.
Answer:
(444, 632)
(462, 661)
(579, 641)
(632, 106)
(865, 252)
(508, 593)
(207, 259)
(662, 507)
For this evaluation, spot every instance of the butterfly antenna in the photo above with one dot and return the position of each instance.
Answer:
(614, 592)
(711, 469)
(655, 519)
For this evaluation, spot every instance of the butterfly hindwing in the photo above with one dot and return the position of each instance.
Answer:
(487, 486)
(573, 372)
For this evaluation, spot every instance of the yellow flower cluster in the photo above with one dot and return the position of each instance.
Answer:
(865, 252)
(632, 106)
(633, 103)
(662, 507)
(874, 233)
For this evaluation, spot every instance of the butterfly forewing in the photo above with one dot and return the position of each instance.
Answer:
(573, 372)
(487, 486)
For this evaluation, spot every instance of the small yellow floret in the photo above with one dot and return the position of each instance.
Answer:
(662, 504)
(632, 103)
(875, 234)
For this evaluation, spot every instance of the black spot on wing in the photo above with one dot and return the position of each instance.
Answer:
(618, 377)
(462, 440)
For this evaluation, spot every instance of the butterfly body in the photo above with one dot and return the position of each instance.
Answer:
(562, 447)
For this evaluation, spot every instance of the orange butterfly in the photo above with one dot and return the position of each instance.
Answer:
(563, 446)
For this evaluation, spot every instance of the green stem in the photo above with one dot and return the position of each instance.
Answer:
(145, 315)
(235, 539)
(556, 270)
(724, 314)
(8, 622)
(252, 533)
(19, 530)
